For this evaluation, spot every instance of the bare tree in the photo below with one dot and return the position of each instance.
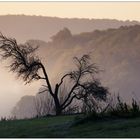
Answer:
(28, 66)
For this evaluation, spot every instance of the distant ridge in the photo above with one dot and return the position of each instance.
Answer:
(24, 27)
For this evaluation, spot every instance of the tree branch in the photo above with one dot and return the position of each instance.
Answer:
(42, 91)
(69, 95)
(58, 85)
(74, 96)
(73, 88)
(47, 79)
(68, 74)
(39, 77)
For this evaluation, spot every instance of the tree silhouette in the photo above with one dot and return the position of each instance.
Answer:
(27, 65)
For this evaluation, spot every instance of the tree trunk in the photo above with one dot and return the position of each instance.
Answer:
(58, 111)
(58, 108)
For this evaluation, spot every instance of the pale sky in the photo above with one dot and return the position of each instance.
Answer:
(112, 10)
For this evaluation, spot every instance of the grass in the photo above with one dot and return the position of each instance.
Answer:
(64, 127)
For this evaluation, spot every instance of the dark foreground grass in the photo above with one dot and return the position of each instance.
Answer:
(63, 126)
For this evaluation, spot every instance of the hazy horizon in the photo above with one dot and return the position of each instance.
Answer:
(43, 16)
(92, 10)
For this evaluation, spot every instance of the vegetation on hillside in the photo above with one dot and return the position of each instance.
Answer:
(64, 127)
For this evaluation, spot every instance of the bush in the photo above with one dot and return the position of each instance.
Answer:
(119, 110)
(122, 109)
(3, 119)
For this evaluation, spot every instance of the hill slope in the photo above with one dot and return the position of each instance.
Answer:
(61, 127)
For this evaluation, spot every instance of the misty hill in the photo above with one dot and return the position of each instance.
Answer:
(37, 27)
(116, 51)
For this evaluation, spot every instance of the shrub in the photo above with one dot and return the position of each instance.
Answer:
(119, 110)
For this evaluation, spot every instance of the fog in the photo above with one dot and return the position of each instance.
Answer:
(106, 48)
(12, 89)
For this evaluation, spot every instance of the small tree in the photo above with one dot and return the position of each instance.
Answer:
(28, 66)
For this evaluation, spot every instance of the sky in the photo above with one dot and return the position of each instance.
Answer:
(111, 10)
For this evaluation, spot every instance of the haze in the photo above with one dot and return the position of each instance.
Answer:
(25, 28)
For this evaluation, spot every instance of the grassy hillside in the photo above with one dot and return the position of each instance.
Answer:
(62, 127)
